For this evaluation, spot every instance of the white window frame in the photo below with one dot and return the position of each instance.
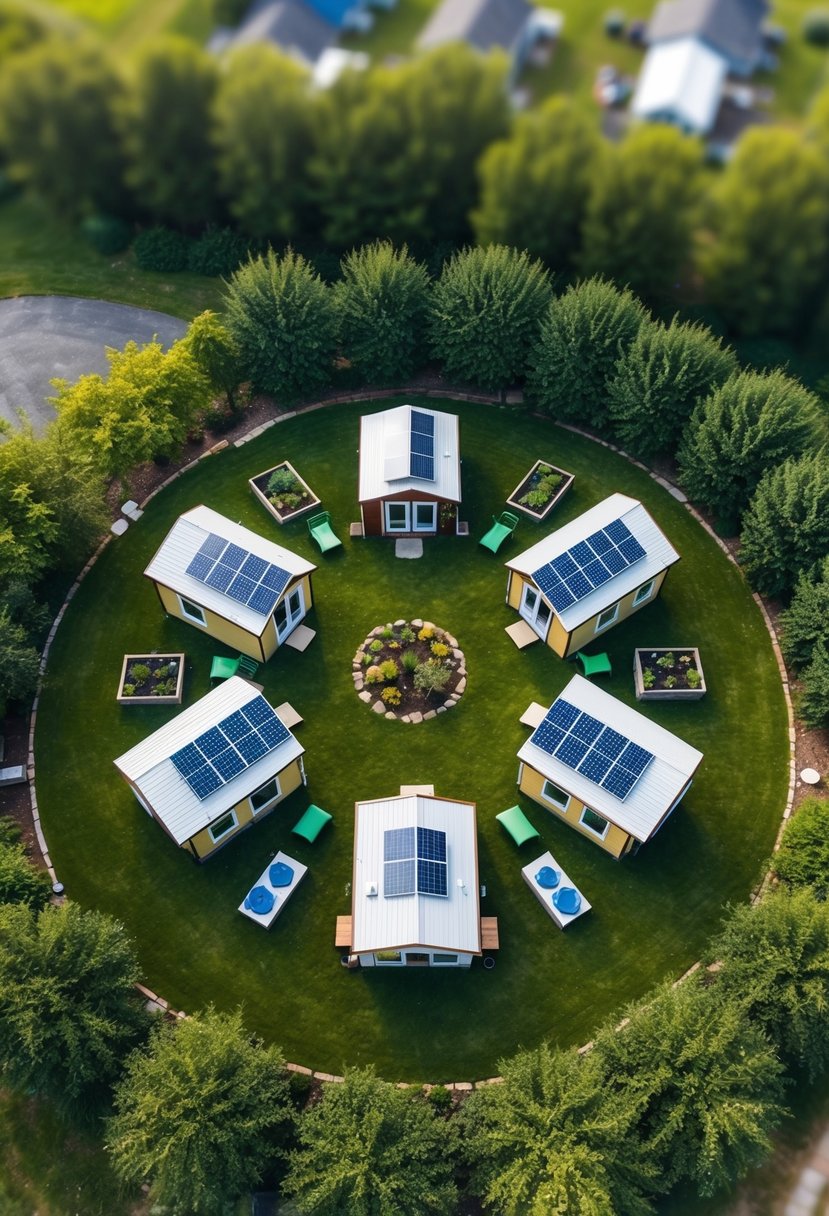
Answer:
(560, 806)
(644, 593)
(591, 830)
(433, 523)
(601, 626)
(446, 957)
(407, 517)
(271, 801)
(184, 605)
(233, 826)
(389, 962)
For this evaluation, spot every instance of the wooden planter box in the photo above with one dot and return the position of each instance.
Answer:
(643, 657)
(530, 481)
(153, 661)
(259, 485)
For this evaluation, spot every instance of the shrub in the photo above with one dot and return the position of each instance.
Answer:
(407, 634)
(387, 634)
(409, 660)
(670, 681)
(667, 660)
(431, 676)
(161, 249)
(784, 529)
(389, 669)
(106, 233)
(219, 251)
(803, 857)
(806, 620)
(693, 678)
(20, 882)
(441, 1098)
(425, 634)
(648, 678)
(391, 696)
(374, 675)
(376, 646)
(816, 27)
(813, 701)
(128, 690)
(439, 649)
(139, 672)
(280, 481)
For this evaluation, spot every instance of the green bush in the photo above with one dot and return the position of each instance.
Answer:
(139, 672)
(161, 249)
(282, 482)
(389, 669)
(440, 1098)
(106, 233)
(803, 857)
(816, 27)
(813, 701)
(128, 690)
(431, 676)
(806, 620)
(693, 678)
(219, 251)
(20, 882)
(409, 660)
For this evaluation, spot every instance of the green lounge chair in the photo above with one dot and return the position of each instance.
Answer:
(518, 825)
(320, 528)
(311, 823)
(594, 664)
(222, 668)
(503, 526)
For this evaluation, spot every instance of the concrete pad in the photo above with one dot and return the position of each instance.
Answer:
(288, 716)
(355, 529)
(522, 634)
(409, 547)
(301, 638)
(407, 790)
(533, 715)
(119, 527)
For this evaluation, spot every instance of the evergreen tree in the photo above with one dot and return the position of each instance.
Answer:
(555, 1137)
(746, 426)
(382, 301)
(370, 1149)
(19, 664)
(813, 701)
(665, 372)
(775, 964)
(640, 215)
(770, 219)
(803, 857)
(281, 316)
(784, 529)
(806, 620)
(485, 312)
(535, 183)
(201, 1113)
(583, 334)
(20, 881)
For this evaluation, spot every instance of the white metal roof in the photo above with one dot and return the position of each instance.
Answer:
(183, 542)
(674, 763)
(384, 455)
(429, 921)
(659, 554)
(681, 81)
(149, 767)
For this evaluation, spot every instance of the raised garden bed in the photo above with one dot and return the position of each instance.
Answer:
(410, 670)
(282, 491)
(668, 674)
(543, 487)
(151, 679)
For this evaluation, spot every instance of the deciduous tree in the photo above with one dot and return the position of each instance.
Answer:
(784, 529)
(216, 354)
(19, 663)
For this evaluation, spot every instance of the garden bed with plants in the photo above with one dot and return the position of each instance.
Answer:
(410, 670)
(282, 491)
(543, 487)
(665, 674)
(151, 679)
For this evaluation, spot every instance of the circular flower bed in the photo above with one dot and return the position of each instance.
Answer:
(410, 670)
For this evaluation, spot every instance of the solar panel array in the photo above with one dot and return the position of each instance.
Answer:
(422, 445)
(226, 750)
(585, 744)
(587, 565)
(414, 860)
(239, 574)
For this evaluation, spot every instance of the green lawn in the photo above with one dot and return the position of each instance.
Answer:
(652, 913)
(40, 255)
(130, 23)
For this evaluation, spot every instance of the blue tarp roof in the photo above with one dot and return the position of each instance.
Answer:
(332, 10)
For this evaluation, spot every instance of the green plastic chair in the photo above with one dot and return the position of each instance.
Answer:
(311, 823)
(517, 825)
(222, 668)
(503, 526)
(320, 528)
(594, 664)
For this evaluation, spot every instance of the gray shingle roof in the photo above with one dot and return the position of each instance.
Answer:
(732, 27)
(291, 24)
(485, 25)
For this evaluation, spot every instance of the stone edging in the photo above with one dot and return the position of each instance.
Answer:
(462, 1087)
(358, 671)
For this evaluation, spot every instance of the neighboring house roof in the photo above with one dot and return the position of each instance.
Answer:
(149, 767)
(659, 554)
(681, 81)
(182, 543)
(293, 25)
(484, 25)
(381, 922)
(732, 27)
(385, 443)
(674, 763)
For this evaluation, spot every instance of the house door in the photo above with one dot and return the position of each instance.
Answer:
(535, 610)
(411, 516)
(289, 612)
(397, 517)
(424, 516)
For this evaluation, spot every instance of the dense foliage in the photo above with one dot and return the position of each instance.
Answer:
(813, 700)
(803, 857)
(806, 620)
(382, 301)
(20, 882)
(784, 529)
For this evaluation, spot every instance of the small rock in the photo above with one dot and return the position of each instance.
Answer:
(378, 707)
(416, 717)
(441, 709)
(399, 624)
(456, 653)
(405, 718)
(448, 703)
(460, 686)
(364, 696)
(430, 713)
(417, 623)
(391, 714)
(358, 683)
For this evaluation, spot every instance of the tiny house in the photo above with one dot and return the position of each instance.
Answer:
(585, 577)
(605, 769)
(216, 768)
(410, 472)
(230, 582)
(415, 895)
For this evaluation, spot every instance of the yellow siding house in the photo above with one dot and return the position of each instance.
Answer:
(605, 769)
(217, 768)
(584, 578)
(230, 582)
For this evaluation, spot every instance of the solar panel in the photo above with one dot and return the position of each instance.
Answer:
(635, 758)
(233, 556)
(263, 600)
(431, 844)
(214, 546)
(252, 747)
(254, 567)
(595, 765)
(614, 561)
(590, 563)
(399, 878)
(598, 752)
(597, 572)
(273, 733)
(571, 751)
(225, 750)
(236, 726)
(562, 713)
(432, 877)
(561, 597)
(241, 588)
(422, 424)
(275, 578)
(200, 567)
(547, 737)
(228, 763)
(587, 728)
(257, 711)
(619, 782)
(547, 580)
(611, 743)
(424, 444)
(211, 743)
(398, 843)
(204, 781)
(564, 565)
(220, 577)
(579, 585)
(600, 542)
(421, 445)
(631, 550)
(618, 531)
(240, 575)
(399, 862)
(422, 467)
(187, 760)
(581, 554)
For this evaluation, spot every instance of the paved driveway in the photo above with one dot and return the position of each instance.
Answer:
(46, 336)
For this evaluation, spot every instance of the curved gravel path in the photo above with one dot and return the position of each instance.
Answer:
(46, 336)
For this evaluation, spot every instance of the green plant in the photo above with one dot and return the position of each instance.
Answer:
(394, 645)
(161, 672)
(667, 660)
(20, 882)
(391, 696)
(374, 675)
(165, 688)
(407, 634)
(139, 672)
(219, 251)
(816, 27)
(161, 249)
(803, 857)
(300, 1088)
(440, 1098)
(535, 498)
(439, 649)
(106, 233)
(431, 676)
(389, 669)
(387, 633)
(365, 659)
(288, 500)
(128, 690)
(376, 646)
(693, 678)
(425, 634)
(670, 681)
(409, 660)
(282, 481)
(648, 678)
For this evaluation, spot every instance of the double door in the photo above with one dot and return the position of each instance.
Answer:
(535, 610)
(410, 516)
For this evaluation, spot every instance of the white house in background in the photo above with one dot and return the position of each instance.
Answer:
(415, 894)
(512, 26)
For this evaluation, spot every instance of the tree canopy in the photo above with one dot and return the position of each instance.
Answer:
(784, 531)
(806, 620)
(803, 857)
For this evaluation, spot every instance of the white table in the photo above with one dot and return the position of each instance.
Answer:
(282, 894)
(544, 894)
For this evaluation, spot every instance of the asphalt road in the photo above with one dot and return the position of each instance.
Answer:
(42, 337)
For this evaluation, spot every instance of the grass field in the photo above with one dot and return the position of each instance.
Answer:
(130, 23)
(652, 913)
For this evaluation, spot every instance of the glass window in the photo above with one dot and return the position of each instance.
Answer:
(607, 617)
(425, 516)
(445, 960)
(222, 826)
(397, 516)
(555, 795)
(388, 956)
(265, 795)
(644, 593)
(594, 822)
(192, 611)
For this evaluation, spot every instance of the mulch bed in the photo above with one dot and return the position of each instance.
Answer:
(388, 643)
(676, 672)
